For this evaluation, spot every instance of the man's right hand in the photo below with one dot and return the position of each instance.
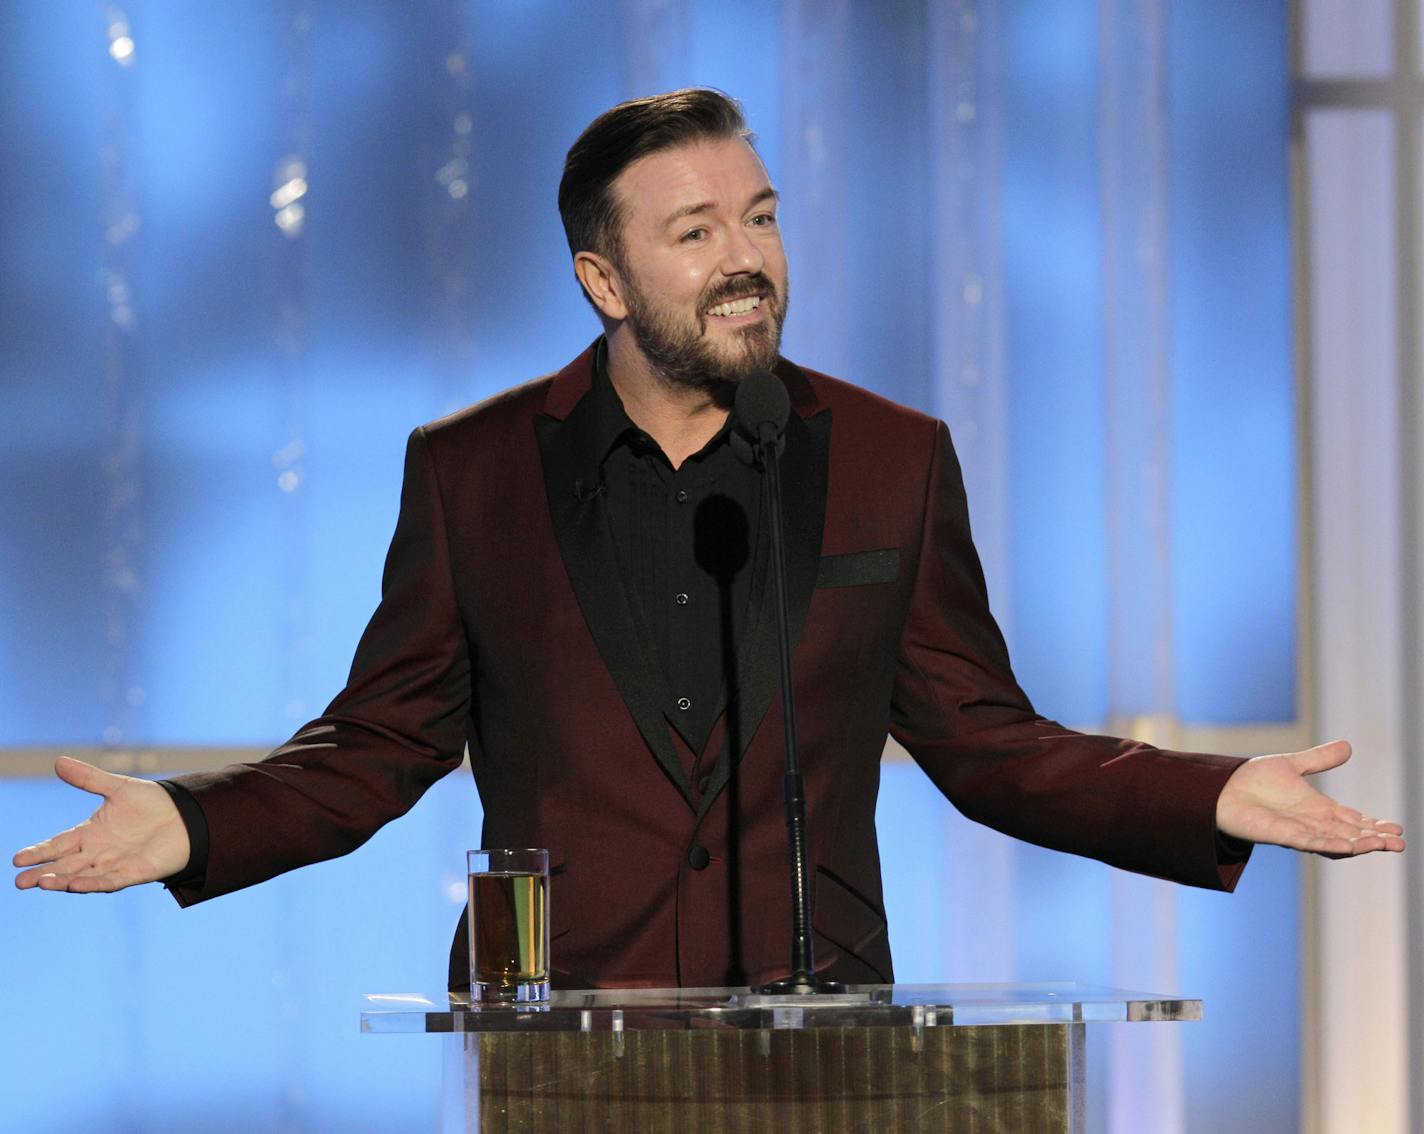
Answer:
(136, 836)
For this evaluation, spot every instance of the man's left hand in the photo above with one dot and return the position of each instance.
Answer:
(1269, 800)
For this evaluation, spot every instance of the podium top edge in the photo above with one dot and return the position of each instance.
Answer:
(900, 1005)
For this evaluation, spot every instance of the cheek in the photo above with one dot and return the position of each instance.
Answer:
(693, 281)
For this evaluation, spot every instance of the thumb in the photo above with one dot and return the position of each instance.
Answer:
(1322, 757)
(86, 776)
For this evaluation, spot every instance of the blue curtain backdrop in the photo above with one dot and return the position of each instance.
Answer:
(244, 249)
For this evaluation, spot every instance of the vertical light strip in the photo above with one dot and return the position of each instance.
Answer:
(1311, 1043)
(124, 505)
(815, 178)
(290, 201)
(1135, 358)
(969, 394)
(1360, 967)
(968, 331)
(122, 570)
(450, 259)
(1410, 244)
(1146, 1077)
(451, 263)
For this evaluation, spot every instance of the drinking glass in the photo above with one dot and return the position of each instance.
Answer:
(509, 925)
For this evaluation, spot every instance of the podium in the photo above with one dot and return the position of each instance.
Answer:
(984, 1058)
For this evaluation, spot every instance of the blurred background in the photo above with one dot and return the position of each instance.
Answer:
(1156, 264)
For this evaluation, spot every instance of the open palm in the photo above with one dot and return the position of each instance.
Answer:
(1269, 800)
(135, 836)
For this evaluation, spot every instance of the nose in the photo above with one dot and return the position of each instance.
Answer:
(742, 255)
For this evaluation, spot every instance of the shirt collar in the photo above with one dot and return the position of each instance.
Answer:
(607, 423)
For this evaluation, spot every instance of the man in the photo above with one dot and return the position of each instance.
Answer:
(577, 589)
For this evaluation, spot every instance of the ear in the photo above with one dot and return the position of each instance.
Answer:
(600, 280)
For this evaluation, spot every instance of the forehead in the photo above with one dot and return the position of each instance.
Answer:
(725, 173)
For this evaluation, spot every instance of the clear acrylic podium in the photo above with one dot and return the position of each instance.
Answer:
(885, 1058)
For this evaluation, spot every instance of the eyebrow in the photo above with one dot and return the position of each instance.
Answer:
(767, 194)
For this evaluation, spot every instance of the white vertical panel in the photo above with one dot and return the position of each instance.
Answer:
(1362, 1071)
(1411, 434)
(1343, 39)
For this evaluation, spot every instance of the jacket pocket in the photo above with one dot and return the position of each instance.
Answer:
(845, 918)
(859, 568)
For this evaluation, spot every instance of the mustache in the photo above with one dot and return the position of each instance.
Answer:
(758, 284)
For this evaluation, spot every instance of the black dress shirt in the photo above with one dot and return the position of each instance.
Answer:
(691, 554)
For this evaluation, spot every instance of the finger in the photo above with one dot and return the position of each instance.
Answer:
(1349, 815)
(1366, 843)
(1358, 831)
(96, 883)
(1344, 816)
(1373, 841)
(66, 842)
(36, 877)
(87, 777)
(93, 883)
(1322, 757)
(76, 863)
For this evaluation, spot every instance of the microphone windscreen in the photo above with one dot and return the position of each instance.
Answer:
(761, 406)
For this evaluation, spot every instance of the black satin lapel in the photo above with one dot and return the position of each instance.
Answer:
(803, 496)
(803, 485)
(581, 526)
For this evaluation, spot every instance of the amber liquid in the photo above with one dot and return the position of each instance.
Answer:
(509, 929)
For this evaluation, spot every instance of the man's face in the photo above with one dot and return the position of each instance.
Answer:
(702, 269)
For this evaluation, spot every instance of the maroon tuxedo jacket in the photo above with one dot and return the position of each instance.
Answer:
(503, 624)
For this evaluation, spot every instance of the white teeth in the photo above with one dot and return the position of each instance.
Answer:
(737, 306)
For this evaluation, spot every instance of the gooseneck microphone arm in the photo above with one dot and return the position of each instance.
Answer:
(762, 408)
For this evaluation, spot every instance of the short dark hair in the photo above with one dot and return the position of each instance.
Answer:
(592, 214)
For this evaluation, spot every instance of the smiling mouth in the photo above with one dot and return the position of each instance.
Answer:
(744, 306)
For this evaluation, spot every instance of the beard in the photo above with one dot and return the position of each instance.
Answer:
(680, 351)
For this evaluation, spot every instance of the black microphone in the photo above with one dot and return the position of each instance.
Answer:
(761, 408)
(760, 412)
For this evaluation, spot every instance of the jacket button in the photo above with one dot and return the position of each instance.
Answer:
(698, 858)
(704, 783)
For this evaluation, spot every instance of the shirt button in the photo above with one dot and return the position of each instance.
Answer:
(680, 599)
(681, 496)
(698, 858)
(684, 704)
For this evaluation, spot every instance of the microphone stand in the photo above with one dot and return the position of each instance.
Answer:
(803, 979)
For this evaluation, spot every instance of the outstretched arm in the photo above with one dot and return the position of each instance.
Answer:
(135, 836)
(1269, 800)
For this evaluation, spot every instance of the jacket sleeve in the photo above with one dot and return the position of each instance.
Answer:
(960, 713)
(399, 725)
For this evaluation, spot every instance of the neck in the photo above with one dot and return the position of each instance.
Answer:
(680, 419)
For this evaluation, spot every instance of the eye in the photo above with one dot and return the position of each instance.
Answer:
(763, 220)
(694, 235)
